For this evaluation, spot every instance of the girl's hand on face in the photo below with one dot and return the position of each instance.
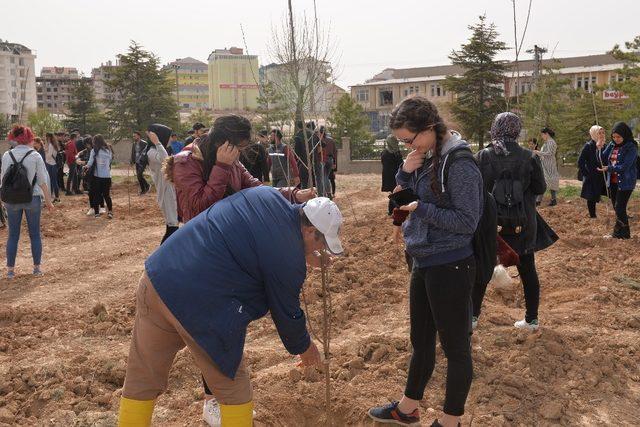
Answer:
(414, 161)
(227, 154)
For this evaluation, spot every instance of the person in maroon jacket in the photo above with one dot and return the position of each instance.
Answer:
(209, 170)
(70, 151)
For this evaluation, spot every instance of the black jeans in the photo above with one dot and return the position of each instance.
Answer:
(591, 205)
(620, 199)
(101, 188)
(440, 302)
(530, 284)
(144, 185)
(73, 183)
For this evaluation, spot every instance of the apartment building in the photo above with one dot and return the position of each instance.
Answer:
(191, 80)
(379, 94)
(54, 88)
(17, 81)
(99, 75)
(233, 80)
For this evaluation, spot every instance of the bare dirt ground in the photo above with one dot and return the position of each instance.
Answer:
(64, 337)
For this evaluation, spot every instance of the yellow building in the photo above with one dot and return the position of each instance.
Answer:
(382, 92)
(191, 78)
(233, 80)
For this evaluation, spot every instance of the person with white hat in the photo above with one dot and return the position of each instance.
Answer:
(232, 264)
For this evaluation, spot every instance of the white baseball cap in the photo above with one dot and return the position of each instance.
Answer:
(327, 219)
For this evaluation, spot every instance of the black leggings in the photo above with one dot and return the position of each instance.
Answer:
(440, 302)
(101, 188)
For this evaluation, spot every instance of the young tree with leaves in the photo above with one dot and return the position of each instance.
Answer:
(348, 119)
(143, 93)
(42, 121)
(479, 90)
(83, 110)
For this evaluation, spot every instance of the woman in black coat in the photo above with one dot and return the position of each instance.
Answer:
(391, 161)
(593, 182)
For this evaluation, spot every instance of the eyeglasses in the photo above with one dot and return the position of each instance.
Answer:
(409, 141)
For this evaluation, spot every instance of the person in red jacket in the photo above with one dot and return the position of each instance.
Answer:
(70, 151)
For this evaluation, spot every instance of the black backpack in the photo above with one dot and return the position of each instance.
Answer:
(16, 187)
(485, 238)
(508, 191)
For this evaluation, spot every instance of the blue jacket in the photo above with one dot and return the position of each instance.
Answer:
(103, 162)
(440, 230)
(230, 265)
(625, 166)
(593, 184)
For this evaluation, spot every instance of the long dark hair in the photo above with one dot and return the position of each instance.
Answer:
(51, 139)
(232, 128)
(99, 144)
(417, 114)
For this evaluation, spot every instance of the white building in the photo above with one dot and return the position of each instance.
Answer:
(55, 88)
(101, 91)
(17, 81)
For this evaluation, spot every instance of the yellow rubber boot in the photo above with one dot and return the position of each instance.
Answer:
(237, 415)
(135, 413)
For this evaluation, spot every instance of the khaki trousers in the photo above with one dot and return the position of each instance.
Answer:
(156, 338)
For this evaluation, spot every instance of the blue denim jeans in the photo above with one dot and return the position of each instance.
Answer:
(52, 170)
(14, 217)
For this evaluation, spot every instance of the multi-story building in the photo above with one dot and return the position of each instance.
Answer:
(317, 75)
(101, 91)
(379, 94)
(191, 78)
(17, 81)
(233, 80)
(54, 88)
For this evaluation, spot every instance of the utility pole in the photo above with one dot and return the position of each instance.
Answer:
(537, 60)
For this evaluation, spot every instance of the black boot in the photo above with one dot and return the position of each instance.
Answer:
(617, 230)
(625, 232)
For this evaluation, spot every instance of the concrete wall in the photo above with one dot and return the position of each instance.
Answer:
(347, 166)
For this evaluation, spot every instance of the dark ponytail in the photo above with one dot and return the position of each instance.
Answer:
(418, 114)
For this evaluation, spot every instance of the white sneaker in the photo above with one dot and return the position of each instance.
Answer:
(90, 212)
(523, 324)
(474, 322)
(211, 413)
(103, 210)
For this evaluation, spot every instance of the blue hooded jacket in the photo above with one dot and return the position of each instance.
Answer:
(230, 265)
(625, 165)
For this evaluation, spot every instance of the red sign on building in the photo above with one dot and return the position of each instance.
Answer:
(237, 86)
(608, 95)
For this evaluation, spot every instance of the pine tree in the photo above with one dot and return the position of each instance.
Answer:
(631, 75)
(479, 90)
(142, 93)
(347, 118)
(83, 110)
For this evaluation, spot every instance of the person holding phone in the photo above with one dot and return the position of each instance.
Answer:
(438, 235)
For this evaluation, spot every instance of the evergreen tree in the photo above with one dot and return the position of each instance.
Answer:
(479, 90)
(83, 110)
(347, 118)
(631, 75)
(142, 93)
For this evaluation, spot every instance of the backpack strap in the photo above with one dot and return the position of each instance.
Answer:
(461, 153)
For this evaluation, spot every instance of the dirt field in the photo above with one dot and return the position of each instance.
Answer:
(64, 337)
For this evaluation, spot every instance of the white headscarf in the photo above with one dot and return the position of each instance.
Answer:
(594, 132)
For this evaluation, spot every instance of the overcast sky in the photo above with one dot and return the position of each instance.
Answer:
(369, 35)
